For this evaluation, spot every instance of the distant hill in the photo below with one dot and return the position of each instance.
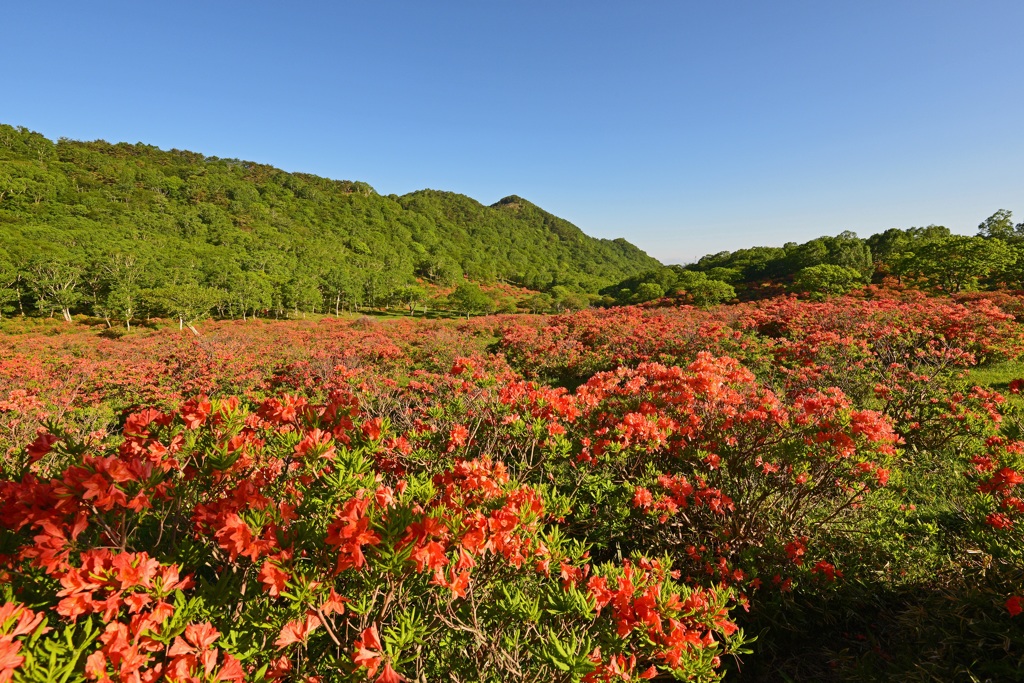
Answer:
(291, 237)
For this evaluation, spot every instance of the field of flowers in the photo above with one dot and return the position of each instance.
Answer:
(779, 490)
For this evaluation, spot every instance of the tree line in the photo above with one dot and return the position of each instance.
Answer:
(930, 257)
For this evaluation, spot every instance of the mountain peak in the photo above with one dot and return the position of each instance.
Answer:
(513, 201)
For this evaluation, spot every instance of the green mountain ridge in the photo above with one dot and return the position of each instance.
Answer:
(292, 238)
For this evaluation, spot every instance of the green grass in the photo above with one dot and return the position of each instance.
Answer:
(998, 376)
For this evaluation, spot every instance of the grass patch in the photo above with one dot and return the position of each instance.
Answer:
(998, 376)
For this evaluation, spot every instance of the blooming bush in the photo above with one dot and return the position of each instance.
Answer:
(221, 543)
(598, 496)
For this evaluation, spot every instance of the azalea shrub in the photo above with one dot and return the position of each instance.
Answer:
(219, 542)
(636, 493)
(997, 477)
(720, 471)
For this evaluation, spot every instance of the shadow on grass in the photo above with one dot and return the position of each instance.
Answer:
(860, 632)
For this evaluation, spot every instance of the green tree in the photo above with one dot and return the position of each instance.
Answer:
(729, 275)
(302, 294)
(249, 293)
(648, 291)
(341, 286)
(826, 280)
(700, 290)
(538, 303)
(121, 277)
(846, 249)
(564, 299)
(440, 270)
(468, 298)
(506, 305)
(998, 225)
(1011, 274)
(895, 248)
(8, 278)
(958, 262)
(123, 303)
(55, 283)
(411, 295)
(711, 293)
(188, 302)
(7, 184)
(8, 297)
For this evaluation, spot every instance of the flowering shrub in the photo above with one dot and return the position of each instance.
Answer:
(826, 338)
(598, 496)
(720, 471)
(220, 543)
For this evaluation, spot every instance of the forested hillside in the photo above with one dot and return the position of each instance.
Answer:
(105, 228)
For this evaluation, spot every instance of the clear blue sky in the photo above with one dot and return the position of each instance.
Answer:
(686, 127)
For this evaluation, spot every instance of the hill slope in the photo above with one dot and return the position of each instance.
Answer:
(289, 236)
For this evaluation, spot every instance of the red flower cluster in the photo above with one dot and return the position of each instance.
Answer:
(16, 622)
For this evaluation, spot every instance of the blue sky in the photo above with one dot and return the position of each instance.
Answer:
(685, 127)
